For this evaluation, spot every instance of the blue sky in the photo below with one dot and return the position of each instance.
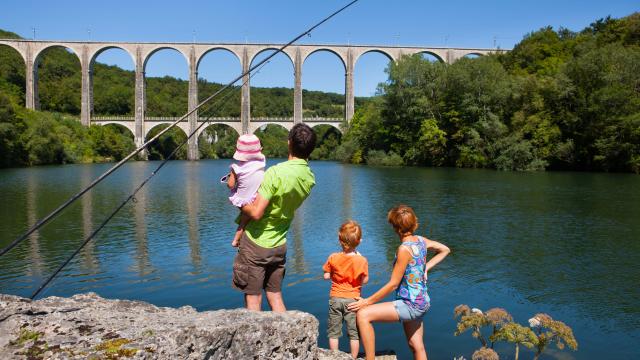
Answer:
(410, 22)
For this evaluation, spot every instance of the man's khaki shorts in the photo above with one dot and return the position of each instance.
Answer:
(338, 312)
(256, 268)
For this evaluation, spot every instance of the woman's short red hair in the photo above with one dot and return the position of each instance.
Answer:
(403, 219)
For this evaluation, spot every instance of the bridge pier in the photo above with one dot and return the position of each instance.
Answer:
(192, 145)
(31, 77)
(349, 107)
(297, 89)
(86, 104)
(140, 103)
(245, 101)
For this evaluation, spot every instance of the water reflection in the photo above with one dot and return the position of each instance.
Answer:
(89, 259)
(36, 264)
(193, 206)
(347, 179)
(142, 265)
(296, 257)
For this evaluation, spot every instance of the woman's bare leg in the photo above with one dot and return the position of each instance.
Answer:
(383, 312)
(414, 331)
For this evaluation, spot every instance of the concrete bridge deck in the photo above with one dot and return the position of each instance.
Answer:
(233, 122)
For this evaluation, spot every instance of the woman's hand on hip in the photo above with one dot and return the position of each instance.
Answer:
(359, 304)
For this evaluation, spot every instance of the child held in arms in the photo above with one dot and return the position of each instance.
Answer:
(245, 176)
(348, 270)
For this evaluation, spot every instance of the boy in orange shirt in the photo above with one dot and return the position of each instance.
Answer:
(348, 270)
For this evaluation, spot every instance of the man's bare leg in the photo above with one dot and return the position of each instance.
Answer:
(254, 302)
(275, 301)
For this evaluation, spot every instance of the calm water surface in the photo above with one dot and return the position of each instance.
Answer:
(567, 244)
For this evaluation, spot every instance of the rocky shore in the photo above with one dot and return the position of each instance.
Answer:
(87, 326)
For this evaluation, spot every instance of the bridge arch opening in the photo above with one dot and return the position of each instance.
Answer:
(113, 83)
(329, 138)
(114, 141)
(166, 82)
(59, 80)
(273, 138)
(12, 74)
(323, 86)
(431, 57)
(370, 72)
(272, 87)
(162, 147)
(217, 141)
(216, 68)
(472, 55)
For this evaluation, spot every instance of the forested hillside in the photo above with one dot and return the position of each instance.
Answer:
(558, 100)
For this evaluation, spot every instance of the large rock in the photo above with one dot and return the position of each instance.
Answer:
(88, 326)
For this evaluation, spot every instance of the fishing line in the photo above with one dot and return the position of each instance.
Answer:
(95, 182)
(131, 197)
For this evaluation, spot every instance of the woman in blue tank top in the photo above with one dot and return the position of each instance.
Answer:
(408, 279)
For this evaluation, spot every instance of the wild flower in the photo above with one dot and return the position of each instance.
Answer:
(550, 331)
(461, 310)
(471, 320)
(485, 354)
(498, 316)
(517, 334)
(543, 331)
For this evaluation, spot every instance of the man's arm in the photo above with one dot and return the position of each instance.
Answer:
(255, 210)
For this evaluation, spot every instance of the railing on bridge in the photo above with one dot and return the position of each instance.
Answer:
(215, 119)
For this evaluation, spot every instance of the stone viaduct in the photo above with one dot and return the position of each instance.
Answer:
(140, 125)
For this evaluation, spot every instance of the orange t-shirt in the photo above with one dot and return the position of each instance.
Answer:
(347, 272)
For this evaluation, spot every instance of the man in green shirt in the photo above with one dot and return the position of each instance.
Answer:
(260, 263)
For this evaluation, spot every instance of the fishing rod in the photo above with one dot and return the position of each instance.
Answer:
(95, 182)
(132, 196)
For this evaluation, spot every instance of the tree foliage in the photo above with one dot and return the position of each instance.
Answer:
(558, 100)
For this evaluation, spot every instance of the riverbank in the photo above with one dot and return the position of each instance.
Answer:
(87, 325)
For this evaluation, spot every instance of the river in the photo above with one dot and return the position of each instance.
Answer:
(566, 244)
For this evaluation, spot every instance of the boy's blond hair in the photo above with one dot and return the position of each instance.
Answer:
(350, 235)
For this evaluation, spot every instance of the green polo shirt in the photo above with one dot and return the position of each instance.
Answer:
(286, 185)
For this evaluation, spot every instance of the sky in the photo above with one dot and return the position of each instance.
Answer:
(455, 23)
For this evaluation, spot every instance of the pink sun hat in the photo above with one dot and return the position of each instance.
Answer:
(248, 148)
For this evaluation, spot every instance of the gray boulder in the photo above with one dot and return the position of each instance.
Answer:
(88, 326)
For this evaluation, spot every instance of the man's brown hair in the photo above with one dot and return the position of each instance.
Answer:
(350, 235)
(403, 219)
(302, 140)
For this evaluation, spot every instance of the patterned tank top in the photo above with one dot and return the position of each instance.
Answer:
(413, 287)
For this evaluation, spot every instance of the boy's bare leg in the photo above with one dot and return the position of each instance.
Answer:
(355, 347)
(275, 301)
(333, 344)
(253, 302)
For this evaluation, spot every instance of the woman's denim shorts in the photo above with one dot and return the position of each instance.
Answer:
(408, 313)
